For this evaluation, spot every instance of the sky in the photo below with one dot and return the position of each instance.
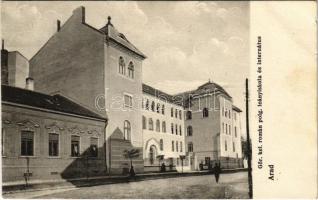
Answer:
(186, 43)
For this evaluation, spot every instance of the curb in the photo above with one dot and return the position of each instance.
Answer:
(63, 184)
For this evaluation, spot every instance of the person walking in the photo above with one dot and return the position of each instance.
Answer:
(217, 172)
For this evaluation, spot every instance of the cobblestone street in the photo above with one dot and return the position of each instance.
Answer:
(231, 186)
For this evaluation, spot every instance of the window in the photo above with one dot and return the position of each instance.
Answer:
(189, 131)
(190, 147)
(121, 65)
(53, 144)
(176, 129)
(75, 146)
(176, 114)
(128, 101)
(180, 114)
(164, 126)
(180, 146)
(150, 126)
(131, 70)
(163, 109)
(127, 130)
(205, 112)
(225, 113)
(144, 122)
(172, 146)
(158, 125)
(177, 146)
(172, 128)
(235, 131)
(233, 147)
(27, 141)
(189, 115)
(2, 141)
(158, 107)
(234, 115)
(225, 146)
(171, 112)
(225, 128)
(222, 111)
(222, 127)
(161, 145)
(180, 130)
(147, 104)
(230, 129)
(152, 106)
(93, 147)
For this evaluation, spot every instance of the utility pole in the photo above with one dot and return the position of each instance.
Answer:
(249, 149)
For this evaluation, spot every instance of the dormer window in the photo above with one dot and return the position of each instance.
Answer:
(131, 70)
(121, 66)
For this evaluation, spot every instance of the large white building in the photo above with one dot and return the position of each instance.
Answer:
(163, 128)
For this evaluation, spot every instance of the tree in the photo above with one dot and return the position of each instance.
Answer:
(131, 154)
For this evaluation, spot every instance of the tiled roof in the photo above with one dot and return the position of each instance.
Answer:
(159, 94)
(120, 38)
(44, 101)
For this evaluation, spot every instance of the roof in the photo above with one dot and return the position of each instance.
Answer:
(236, 109)
(120, 38)
(44, 101)
(161, 95)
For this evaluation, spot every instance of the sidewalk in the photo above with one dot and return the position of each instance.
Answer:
(34, 185)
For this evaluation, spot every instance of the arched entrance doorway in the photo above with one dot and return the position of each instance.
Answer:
(152, 154)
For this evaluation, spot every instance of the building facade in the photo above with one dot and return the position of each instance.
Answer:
(102, 70)
(49, 137)
(213, 134)
(163, 129)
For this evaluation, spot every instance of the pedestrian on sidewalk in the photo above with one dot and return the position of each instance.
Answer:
(132, 172)
(217, 172)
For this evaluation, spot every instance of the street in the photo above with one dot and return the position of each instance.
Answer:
(230, 186)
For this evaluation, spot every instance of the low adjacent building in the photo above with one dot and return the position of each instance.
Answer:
(49, 137)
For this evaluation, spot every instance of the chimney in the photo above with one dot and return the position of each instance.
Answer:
(29, 83)
(80, 13)
(58, 23)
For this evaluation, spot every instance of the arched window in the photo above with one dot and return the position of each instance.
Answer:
(161, 145)
(158, 125)
(172, 145)
(121, 66)
(171, 112)
(152, 154)
(147, 104)
(190, 147)
(127, 130)
(150, 125)
(180, 146)
(163, 109)
(180, 130)
(164, 126)
(177, 146)
(205, 112)
(180, 114)
(176, 129)
(144, 122)
(158, 107)
(189, 131)
(131, 70)
(153, 106)
(172, 128)
(189, 115)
